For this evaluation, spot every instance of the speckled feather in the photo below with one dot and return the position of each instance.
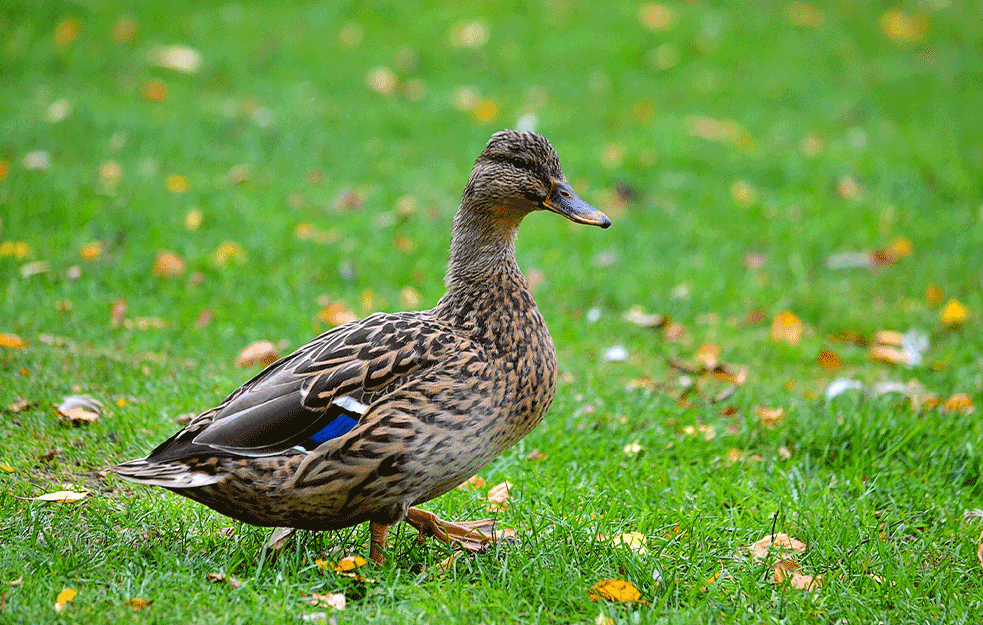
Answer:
(446, 390)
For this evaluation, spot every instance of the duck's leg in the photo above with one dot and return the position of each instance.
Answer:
(473, 536)
(377, 549)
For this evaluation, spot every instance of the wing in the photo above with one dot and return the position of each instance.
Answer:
(317, 393)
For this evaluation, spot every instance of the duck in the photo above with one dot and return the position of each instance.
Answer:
(377, 416)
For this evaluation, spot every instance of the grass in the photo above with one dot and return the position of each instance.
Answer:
(844, 134)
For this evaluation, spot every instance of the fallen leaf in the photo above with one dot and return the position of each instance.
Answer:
(769, 417)
(485, 111)
(788, 570)
(328, 600)
(66, 32)
(934, 294)
(124, 28)
(960, 402)
(258, 353)
(636, 541)
(979, 551)
(84, 402)
(888, 354)
(178, 58)
(639, 317)
(222, 577)
(829, 360)
(786, 327)
(78, 415)
(279, 539)
(473, 482)
(168, 263)
(409, 298)
(348, 564)
(953, 314)
(62, 496)
(888, 337)
(656, 16)
(445, 565)
(92, 251)
(536, 455)
(138, 603)
(153, 91)
(227, 252)
(780, 543)
(336, 314)
(614, 590)
(708, 354)
(12, 341)
(903, 28)
(499, 496)
(6, 468)
(66, 596)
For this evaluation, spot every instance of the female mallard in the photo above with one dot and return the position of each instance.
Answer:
(378, 415)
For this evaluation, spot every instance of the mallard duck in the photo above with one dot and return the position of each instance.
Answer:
(379, 415)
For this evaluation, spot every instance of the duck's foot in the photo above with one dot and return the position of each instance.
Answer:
(473, 536)
(377, 545)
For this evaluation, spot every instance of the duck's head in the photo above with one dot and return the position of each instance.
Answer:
(518, 173)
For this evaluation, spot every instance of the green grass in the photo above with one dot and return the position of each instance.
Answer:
(873, 486)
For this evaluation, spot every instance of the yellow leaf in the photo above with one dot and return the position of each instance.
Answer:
(336, 314)
(66, 596)
(769, 417)
(712, 579)
(92, 251)
(154, 91)
(961, 402)
(708, 355)
(177, 184)
(258, 353)
(485, 111)
(63, 496)
(12, 341)
(349, 563)
(192, 221)
(636, 541)
(886, 353)
(901, 27)
(786, 327)
(168, 264)
(954, 314)
(227, 252)
(138, 603)
(7, 468)
(614, 590)
(473, 482)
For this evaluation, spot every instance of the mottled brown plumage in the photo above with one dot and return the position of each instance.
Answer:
(384, 413)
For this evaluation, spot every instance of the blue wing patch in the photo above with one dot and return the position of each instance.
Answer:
(341, 425)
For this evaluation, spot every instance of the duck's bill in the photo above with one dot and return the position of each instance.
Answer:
(563, 201)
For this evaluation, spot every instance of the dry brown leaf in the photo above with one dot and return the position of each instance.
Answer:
(934, 294)
(769, 417)
(536, 455)
(78, 415)
(328, 600)
(780, 543)
(708, 355)
(66, 596)
(168, 264)
(62, 496)
(336, 314)
(829, 360)
(222, 577)
(786, 327)
(12, 341)
(960, 402)
(499, 496)
(204, 318)
(889, 338)
(258, 353)
(888, 354)
(673, 331)
(734, 374)
(788, 570)
(614, 590)
(953, 314)
(138, 603)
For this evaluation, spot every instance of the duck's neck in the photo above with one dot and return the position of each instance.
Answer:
(482, 252)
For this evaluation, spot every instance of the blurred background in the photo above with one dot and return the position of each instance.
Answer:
(237, 169)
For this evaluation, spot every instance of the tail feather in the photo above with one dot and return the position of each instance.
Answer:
(166, 474)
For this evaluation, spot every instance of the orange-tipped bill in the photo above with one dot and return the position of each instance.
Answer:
(563, 201)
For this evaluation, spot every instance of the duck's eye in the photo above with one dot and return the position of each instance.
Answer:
(518, 161)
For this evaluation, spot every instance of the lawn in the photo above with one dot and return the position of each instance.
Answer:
(795, 190)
